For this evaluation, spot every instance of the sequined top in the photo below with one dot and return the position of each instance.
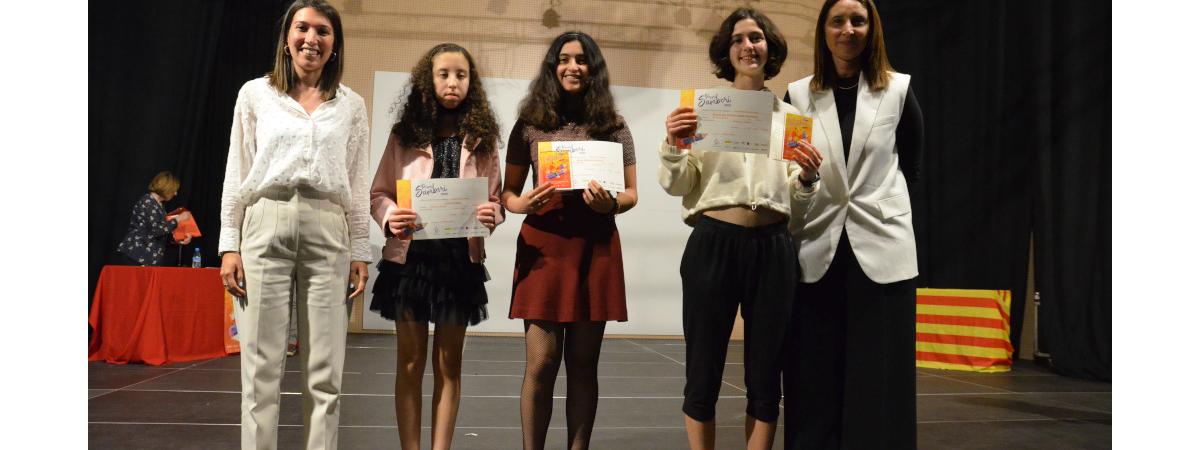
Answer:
(446, 153)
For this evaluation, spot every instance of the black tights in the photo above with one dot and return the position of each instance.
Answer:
(545, 345)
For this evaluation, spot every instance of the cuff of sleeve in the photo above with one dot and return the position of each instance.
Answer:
(360, 254)
(670, 152)
(387, 231)
(229, 241)
(804, 192)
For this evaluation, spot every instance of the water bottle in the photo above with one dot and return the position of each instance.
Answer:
(196, 260)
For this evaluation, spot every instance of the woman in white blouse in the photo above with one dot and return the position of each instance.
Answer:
(294, 213)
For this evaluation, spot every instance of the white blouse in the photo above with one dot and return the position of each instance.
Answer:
(275, 143)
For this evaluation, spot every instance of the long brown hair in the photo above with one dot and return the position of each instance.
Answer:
(545, 104)
(283, 77)
(875, 66)
(418, 116)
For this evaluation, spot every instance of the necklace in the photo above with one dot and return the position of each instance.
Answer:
(838, 82)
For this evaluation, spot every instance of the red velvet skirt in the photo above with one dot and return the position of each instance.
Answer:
(568, 265)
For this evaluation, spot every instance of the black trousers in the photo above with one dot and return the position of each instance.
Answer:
(851, 381)
(726, 265)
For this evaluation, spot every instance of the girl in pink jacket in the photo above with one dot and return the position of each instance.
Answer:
(446, 130)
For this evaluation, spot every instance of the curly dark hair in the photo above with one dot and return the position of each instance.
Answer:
(718, 49)
(546, 103)
(418, 117)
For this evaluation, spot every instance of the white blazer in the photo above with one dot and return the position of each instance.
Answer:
(866, 195)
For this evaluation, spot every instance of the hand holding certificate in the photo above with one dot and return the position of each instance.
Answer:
(572, 164)
(444, 207)
(729, 120)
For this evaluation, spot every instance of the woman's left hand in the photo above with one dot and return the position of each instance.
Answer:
(486, 214)
(187, 239)
(597, 198)
(358, 277)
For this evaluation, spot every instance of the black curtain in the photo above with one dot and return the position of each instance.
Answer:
(1016, 96)
(162, 80)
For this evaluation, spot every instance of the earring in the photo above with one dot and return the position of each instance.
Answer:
(287, 51)
(331, 58)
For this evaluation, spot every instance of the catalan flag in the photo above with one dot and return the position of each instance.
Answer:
(961, 329)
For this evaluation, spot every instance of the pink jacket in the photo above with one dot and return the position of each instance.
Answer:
(415, 164)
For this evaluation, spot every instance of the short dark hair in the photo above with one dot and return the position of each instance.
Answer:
(718, 49)
(283, 77)
(875, 66)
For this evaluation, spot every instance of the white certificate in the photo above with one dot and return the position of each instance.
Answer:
(729, 120)
(572, 164)
(445, 207)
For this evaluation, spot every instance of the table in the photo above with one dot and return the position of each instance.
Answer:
(157, 315)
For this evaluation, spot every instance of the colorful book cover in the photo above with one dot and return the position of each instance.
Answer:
(687, 97)
(797, 128)
(554, 167)
(404, 200)
(184, 227)
(230, 337)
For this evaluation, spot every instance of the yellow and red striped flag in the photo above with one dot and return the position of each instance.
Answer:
(963, 329)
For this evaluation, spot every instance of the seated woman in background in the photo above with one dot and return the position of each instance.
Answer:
(149, 229)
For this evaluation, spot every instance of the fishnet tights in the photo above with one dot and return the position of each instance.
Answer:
(545, 346)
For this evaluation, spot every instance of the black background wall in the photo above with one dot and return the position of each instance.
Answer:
(1016, 95)
(162, 80)
(1017, 101)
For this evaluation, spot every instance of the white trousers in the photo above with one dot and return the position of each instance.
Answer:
(293, 238)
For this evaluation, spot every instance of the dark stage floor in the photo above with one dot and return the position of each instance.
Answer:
(195, 404)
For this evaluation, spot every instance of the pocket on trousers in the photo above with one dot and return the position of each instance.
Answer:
(251, 218)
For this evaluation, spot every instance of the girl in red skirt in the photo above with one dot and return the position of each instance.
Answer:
(568, 280)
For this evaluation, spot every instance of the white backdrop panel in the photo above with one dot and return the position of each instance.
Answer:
(652, 234)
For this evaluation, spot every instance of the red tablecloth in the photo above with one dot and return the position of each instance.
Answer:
(157, 315)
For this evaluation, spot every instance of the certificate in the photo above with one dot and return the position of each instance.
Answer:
(445, 207)
(729, 120)
(572, 164)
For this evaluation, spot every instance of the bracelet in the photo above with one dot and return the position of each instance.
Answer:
(808, 184)
(616, 206)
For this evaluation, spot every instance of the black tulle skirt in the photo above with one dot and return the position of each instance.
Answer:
(438, 283)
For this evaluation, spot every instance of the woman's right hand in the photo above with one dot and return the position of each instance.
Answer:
(402, 221)
(233, 276)
(681, 123)
(183, 216)
(534, 200)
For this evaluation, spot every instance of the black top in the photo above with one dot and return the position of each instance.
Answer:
(446, 152)
(910, 131)
(149, 232)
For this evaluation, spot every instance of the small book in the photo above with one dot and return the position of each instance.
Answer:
(184, 228)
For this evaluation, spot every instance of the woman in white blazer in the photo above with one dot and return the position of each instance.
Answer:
(853, 382)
